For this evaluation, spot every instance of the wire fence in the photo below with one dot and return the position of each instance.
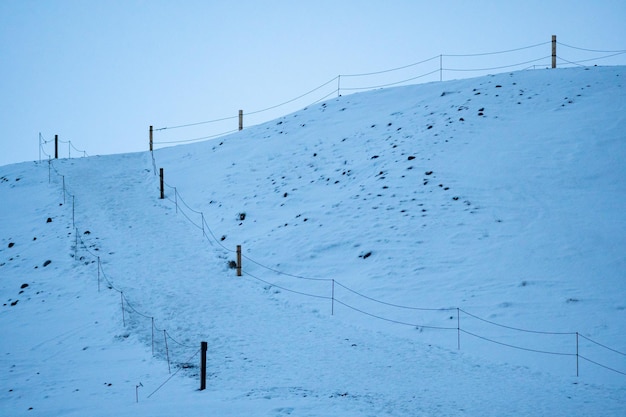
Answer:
(174, 350)
(436, 68)
(453, 320)
(43, 142)
(178, 353)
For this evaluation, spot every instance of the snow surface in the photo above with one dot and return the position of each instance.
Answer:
(492, 207)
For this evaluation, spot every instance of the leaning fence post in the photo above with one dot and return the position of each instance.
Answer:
(167, 352)
(240, 119)
(203, 349)
(238, 260)
(137, 391)
(162, 190)
(553, 51)
(150, 138)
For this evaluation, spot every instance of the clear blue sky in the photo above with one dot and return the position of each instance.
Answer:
(99, 73)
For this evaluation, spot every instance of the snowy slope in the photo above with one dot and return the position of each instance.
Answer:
(381, 232)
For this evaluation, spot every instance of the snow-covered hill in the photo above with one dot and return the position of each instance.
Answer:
(453, 248)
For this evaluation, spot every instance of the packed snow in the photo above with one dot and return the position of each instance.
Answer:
(445, 249)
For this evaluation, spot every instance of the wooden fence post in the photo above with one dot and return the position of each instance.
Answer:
(151, 138)
(203, 349)
(162, 190)
(553, 51)
(238, 260)
(240, 119)
(56, 146)
(137, 391)
(440, 67)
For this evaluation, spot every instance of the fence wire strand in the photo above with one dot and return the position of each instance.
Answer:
(391, 320)
(602, 366)
(393, 305)
(365, 74)
(601, 345)
(174, 374)
(498, 52)
(496, 68)
(325, 297)
(591, 50)
(516, 328)
(516, 347)
(389, 84)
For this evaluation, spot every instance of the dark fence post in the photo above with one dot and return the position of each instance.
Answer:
(56, 146)
(162, 190)
(240, 119)
(238, 260)
(150, 138)
(553, 51)
(203, 349)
